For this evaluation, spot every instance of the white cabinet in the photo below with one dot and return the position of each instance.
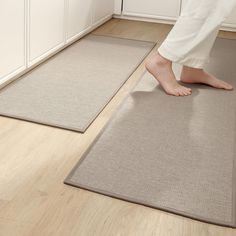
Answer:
(117, 6)
(12, 38)
(231, 21)
(46, 29)
(167, 10)
(161, 9)
(54, 23)
(83, 15)
(32, 30)
(79, 17)
(102, 9)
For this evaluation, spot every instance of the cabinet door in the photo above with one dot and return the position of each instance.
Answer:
(162, 9)
(79, 16)
(46, 28)
(118, 6)
(12, 39)
(102, 9)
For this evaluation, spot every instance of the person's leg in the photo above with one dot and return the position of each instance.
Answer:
(189, 43)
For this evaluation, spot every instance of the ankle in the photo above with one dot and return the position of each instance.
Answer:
(192, 72)
(192, 69)
(157, 60)
(162, 61)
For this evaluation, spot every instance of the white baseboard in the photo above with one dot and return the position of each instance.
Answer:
(229, 27)
(47, 54)
(88, 30)
(12, 76)
(164, 20)
(140, 17)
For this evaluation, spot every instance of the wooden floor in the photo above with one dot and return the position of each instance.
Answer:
(35, 159)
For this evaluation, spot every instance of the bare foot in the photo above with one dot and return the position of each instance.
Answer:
(193, 75)
(161, 69)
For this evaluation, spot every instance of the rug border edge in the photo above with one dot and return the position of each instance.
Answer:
(231, 224)
(69, 182)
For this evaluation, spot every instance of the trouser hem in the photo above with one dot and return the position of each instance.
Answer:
(190, 62)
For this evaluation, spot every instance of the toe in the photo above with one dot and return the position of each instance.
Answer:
(223, 85)
(189, 92)
(185, 91)
(176, 92)
(172, 92)
(188, 89)
(228, 86)
(181, 92)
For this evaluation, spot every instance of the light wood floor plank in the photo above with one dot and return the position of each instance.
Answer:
(134, 30)
(14, 228)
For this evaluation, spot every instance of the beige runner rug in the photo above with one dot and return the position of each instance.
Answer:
(174, 154)
(70, 89)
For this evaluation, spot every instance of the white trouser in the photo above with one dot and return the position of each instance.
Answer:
(193, 36)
